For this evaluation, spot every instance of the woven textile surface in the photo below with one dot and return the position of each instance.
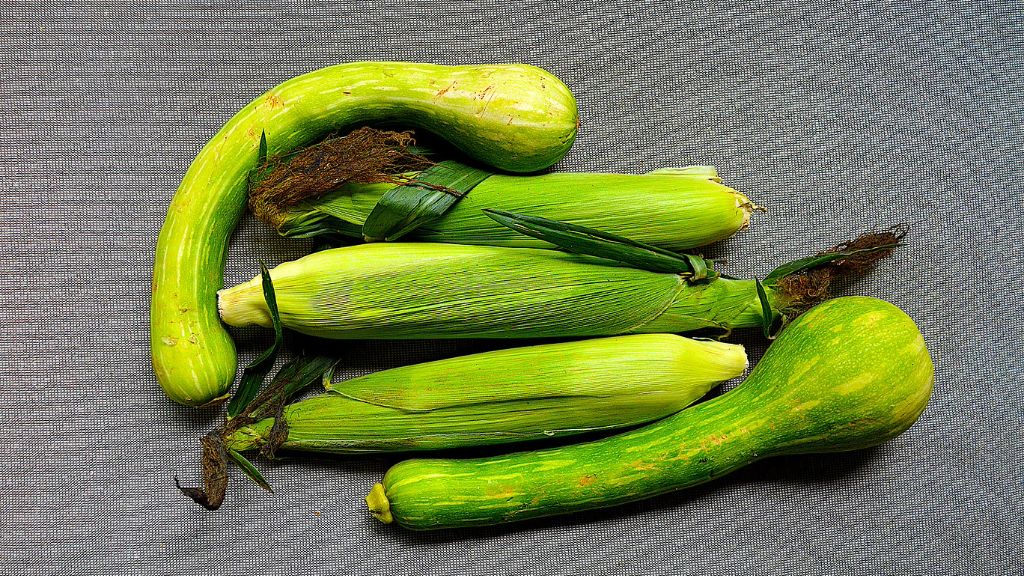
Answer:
(837, 116)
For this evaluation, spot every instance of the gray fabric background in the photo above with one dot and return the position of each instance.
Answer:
(837, 116)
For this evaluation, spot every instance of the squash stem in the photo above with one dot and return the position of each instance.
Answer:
(377, 502)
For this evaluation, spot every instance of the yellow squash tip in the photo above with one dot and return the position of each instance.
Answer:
(378, 504)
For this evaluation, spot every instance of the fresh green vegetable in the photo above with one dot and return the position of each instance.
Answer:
(256, 372)
(851, 373)
(512, 395)
(676, 209)
(514, 117)
(586, 241)
(423, 290)
(496, 397)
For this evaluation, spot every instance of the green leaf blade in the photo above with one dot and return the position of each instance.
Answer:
(591, 242)
(256, 372)
(314, 223)
(293, 378)
(431, 195)
(802, 264)
(767, 312)
(261, 158)
(250, 470)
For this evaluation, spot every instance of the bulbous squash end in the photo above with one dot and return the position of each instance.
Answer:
(854, 371)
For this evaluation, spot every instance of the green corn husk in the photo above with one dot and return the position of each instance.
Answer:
(426, 290)
(512, 395)
(423, 290)
(675, 208)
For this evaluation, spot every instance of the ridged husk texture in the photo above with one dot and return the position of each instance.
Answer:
(518, 394)
(675, 209)
(425, 290)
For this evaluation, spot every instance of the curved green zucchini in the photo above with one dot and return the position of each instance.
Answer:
(515, 117)
(850, 373)
(512, 395)
(423, 290)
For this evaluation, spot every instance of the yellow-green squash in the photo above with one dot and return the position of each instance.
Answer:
(850, 373)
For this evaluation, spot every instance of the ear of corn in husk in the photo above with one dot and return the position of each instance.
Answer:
(525, 393)
(426, 290)
(676, 208)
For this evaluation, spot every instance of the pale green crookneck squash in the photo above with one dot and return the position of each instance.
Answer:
(850, 373)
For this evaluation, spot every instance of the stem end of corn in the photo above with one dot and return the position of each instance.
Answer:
(378, 504)
(243, 305)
